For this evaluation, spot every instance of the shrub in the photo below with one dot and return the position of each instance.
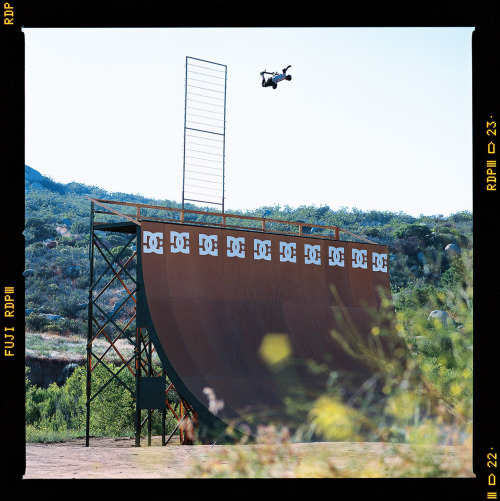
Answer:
(419, 231)
(56, 413)
(37, 323)
(37, 228)
(410, 245)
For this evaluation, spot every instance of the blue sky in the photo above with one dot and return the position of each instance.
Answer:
(374, 118)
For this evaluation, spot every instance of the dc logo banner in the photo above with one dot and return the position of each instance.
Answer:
(262, 249)
(359, 258)
(236, 247)
(312, 254)
(152, 242)
(379, 262)
(208, 245)
(288, 252)
(179, 242)
(336, 256)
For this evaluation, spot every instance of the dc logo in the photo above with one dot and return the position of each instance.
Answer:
(262, 249)
(236, 247)
(336, 256)
(288, 252)
(379, 262)
(359, 258)
(179, 242)
(152, 242)
(312, 254)
(208, 245)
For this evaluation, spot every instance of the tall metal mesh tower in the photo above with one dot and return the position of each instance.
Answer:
(204, 133)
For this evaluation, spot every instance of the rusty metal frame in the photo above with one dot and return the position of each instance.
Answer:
(140, 215)
(102, 324)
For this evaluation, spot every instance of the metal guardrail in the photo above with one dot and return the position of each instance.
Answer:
(138, 217)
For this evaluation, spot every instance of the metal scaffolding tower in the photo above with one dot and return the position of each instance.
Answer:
(113, 312)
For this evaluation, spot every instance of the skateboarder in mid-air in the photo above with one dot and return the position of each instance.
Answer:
(275, 77)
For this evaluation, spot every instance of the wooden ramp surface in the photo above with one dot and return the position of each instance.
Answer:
(214, 294)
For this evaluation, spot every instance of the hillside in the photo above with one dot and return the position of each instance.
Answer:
(57, 242)
(57, 236)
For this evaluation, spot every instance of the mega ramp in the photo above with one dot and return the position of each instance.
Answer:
(218, 297)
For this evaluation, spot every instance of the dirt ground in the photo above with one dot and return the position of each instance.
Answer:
(118, 458)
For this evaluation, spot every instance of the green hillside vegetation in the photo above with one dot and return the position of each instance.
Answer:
(57, 275)
(424, 275)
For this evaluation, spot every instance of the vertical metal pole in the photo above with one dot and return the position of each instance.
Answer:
(184, 156)
(163, 426)
(137, 381)
(224, 144)
(150, 369)
(89, 327)
(181, 427)
(150, 416)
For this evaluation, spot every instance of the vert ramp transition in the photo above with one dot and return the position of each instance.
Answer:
(214, 294)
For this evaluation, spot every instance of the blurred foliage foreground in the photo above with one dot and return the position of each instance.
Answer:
(416, 405)
(413, 413)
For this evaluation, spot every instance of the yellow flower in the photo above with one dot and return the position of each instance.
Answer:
(334, 420)
(401, 405)
(386, 303)
(275, 348)
(399, 352)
